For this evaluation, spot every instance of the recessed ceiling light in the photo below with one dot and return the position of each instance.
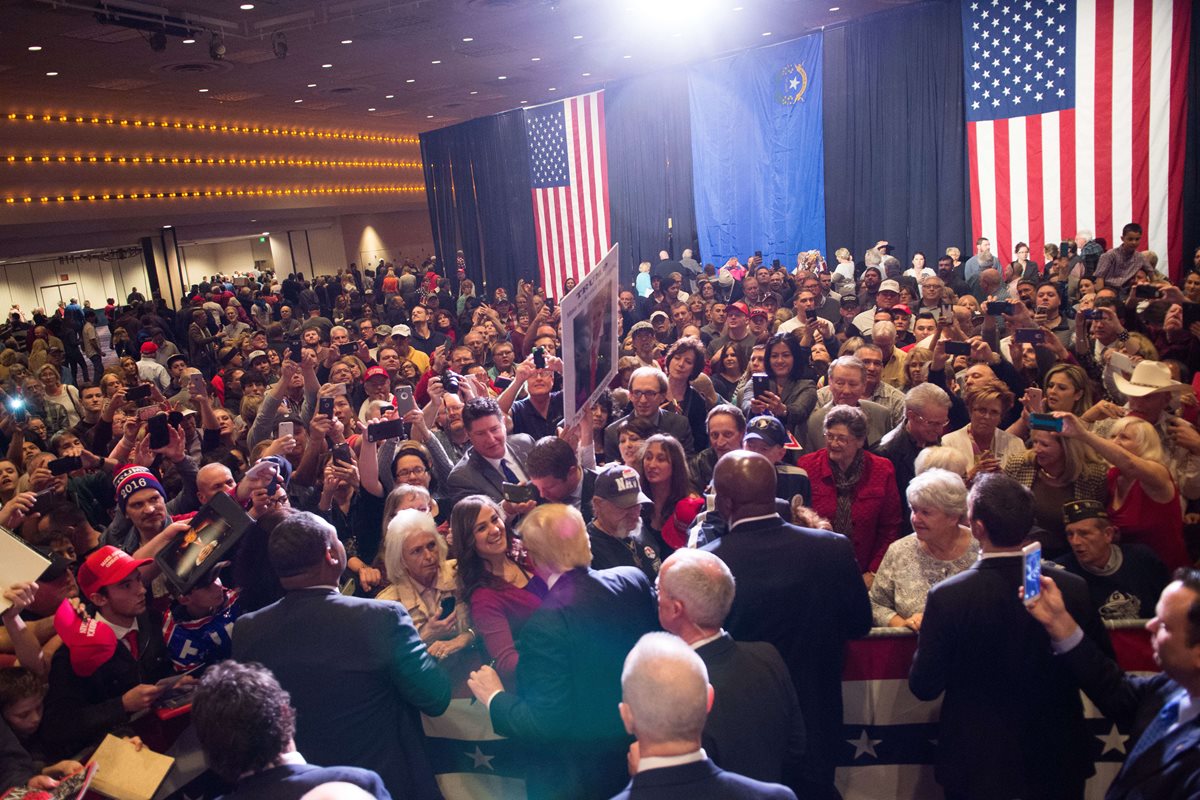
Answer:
(33, 48)
(370, 109)
(347, 41)
(502, 77)
(165, 227)
(627, 56)
(836, 8)
(468, 39)
(535, 58)
(766, 33)
(246, 6)
(312, 86)
(411, 80)
(737, 8)
(523, 102)
(429, 116)
(552, 89)
(388, 96)
(577, 36)
(475, 92)
(265, 233)
(202, 91)
(189, 41)
(297, 101)
(436, 61)
(327, 66)
(51, 74)
(587, 74)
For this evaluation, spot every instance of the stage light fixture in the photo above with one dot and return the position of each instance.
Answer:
(279, 45)
(216, 47)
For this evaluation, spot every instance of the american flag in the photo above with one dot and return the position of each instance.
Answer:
(1075, 120)
(568, 171)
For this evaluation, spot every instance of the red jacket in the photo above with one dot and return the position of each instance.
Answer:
(875, 517)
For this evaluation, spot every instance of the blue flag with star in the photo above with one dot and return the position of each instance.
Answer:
(758, 157)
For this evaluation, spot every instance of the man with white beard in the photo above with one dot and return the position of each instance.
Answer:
(615, 532)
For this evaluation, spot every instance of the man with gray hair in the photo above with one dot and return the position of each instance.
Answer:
(647, 391)
(847, 386)
(571, 653)
(754, 727)
(926, 415)
(665, 697)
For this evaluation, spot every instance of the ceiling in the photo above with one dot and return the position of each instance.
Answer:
(408, 66)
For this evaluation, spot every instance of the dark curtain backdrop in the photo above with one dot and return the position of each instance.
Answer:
(648, 135)
(1191, 172)
(477, 187)
(895, 136)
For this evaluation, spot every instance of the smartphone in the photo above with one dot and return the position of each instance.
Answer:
(42, 501)
(776, 264)
(65, 465)
(160, 435)
(175, 418)
(1090, 314)
(138, 392)
(761, 383)
(997, 307)
(517, 492)
(339, 389)
(1145, 291)
(196, 385)
(539, 357)
(341, 453)
(810, 314)
(404, 400)
(1031, 554)
(261, 470)
(1029, 336)
(325, 406)
(1191, 313)
(447, 607)
(502, 382)
(958, 348)
(20, 414)
(348, 349)
(1121, 363)
(1045, 422)
(388, 429)
(147, 412)
(286, 429)
(758, 253)
(295, 352)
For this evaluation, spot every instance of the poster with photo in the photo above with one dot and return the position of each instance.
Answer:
(589, 324)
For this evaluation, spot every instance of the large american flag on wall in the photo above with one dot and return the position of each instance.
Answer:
(568, 173)
(1075, 120)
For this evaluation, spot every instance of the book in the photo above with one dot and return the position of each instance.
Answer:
(126, 773)
(73, 787)
(19, 563)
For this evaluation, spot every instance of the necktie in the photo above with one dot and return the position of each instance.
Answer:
(507, 471)
(131, 640)
(1155, 731)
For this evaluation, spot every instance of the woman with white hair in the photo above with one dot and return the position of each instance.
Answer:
(1143, 500)
(940, 546)
(422, 579)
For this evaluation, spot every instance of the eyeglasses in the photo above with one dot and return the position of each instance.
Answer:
(838, 438)
(933, 422)
(644, 394)
(415, 472)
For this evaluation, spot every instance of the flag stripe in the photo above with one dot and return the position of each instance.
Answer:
(1003, 244)
(1144, 39)
(1053, 227)
(1158, 133)
(601, 184)
(586, 201)
(1124, 86)
(1033, 167)
(1019, 181)
(1069, 193)
(1102, 130)
(1180, 28)
(1085, 118)
(987, 170)
(976, 172)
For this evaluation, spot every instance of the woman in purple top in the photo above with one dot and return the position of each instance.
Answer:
(500, 592)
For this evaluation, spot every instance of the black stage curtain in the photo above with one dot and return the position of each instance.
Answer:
(648, 135)
(477, 188)
(895, 133)
(1191, 171)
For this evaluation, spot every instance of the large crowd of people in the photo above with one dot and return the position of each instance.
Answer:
(651, 601)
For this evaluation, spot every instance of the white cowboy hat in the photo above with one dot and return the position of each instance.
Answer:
(1148, 377)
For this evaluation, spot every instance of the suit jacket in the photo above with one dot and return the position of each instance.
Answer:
(901, 449)
(755, 727)
(1169, 769)
(700, 780)
(879, 422)
(668, 422)
(78, 711)
(293, 781)
(572, 651)
(800, 590)
(474, 475)
(358, 674)
(1011, 722)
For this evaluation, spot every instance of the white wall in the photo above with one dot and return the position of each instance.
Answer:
(26, 284)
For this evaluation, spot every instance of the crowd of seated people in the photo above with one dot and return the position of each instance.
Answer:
(827, 437)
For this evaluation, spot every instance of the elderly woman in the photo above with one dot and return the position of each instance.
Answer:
(981, 441)
(854, 489)
(422, 579)
(1143, 500)
(1057, 470)
(502, 594)
(940, 546)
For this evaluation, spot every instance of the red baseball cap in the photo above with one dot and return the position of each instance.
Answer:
(105, 567)
(376, 372)
(149, 347)
(739, 307)
(90, 643)
(759, 311)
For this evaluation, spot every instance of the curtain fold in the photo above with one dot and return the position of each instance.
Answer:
(1191, 171)
(648, 132)
(477, 190)
(895, 132)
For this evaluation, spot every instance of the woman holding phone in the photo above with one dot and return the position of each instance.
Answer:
(787, 393)
(981, 441)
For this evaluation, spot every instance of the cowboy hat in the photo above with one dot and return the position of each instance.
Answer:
(1148, 378)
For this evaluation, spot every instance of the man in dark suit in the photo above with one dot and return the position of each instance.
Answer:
(665, 697)
(754, 727)
(1159, 711)
(356, 668)
(798, 589)
(495, 457)
(569, 673)
(647, 391)
(554, 469)
(1011, 723)
(245, 724)
(105, 672)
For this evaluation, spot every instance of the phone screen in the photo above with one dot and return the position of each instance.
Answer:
(159, 435)
(389, 429)
(1032, 556)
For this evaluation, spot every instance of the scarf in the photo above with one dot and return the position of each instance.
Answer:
(846, 484)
